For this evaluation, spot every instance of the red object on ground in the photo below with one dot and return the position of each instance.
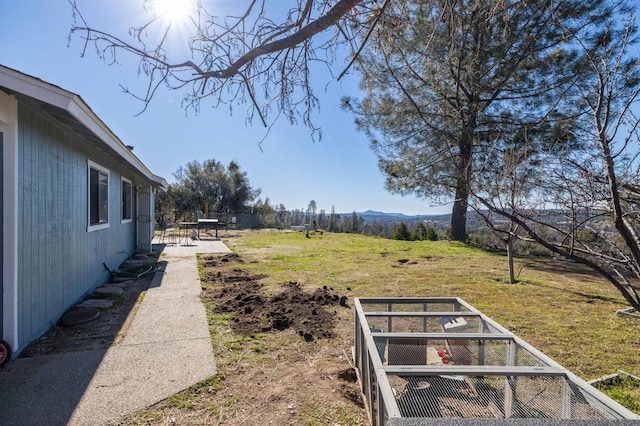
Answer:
(445, 360)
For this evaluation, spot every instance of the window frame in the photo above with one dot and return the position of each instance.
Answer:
(123, 201)
(91, 166)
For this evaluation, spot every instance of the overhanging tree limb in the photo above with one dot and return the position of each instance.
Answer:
(332, 16)
(306, 32)
(246, 59)
(379, 15)
(615, 277)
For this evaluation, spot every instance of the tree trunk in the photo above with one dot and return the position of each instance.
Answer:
(459, 212)
(512, 276)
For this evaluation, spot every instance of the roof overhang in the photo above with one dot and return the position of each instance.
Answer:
(70, 108)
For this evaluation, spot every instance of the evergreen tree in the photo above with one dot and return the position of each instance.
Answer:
(334, 220)
(402, 232)
(448, 82)
(311, 209)
(420, 233)
(322, 219)
(430, 234)
(283, 217)
(356, 223)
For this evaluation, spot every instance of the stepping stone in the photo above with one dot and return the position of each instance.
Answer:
(79, 316)
(109, 290)
(96, 303)
(137, 267)
(123, 284)
(134, 263)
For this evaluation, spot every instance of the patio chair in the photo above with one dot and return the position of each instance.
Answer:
(169, 233)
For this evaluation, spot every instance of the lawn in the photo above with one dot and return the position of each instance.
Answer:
(562, 309)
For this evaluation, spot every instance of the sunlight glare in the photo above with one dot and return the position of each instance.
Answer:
(173, 10)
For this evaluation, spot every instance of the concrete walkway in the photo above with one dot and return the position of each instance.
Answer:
(167, 348)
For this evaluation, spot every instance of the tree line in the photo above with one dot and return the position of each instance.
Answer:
(211, 189)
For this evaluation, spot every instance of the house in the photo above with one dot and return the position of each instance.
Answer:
(73, 199)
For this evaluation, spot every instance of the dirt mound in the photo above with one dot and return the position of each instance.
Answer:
(310, 314)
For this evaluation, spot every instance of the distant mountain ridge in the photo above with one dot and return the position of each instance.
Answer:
(377, 216)
(377, 213)
(474, 220)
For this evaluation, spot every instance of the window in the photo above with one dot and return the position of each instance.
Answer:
(127, 197)
(98, 197)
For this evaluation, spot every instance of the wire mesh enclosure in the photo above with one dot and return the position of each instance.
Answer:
(441, 358)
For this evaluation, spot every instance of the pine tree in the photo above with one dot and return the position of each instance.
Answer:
(402, 232)
(420, 233)
(448, 82)
(430, 234)
(333, 221)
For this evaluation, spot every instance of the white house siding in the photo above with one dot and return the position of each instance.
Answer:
(59, 260)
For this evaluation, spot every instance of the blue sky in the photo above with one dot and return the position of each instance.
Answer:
(340, 170)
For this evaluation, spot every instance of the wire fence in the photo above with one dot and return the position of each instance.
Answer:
(441, 358)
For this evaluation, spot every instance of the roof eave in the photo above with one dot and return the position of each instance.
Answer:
(79, 110)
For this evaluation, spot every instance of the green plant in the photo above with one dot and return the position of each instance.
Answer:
(624, 389)
(117, 299)
(191, 398)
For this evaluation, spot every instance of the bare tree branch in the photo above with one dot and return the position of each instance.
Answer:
(234, 56)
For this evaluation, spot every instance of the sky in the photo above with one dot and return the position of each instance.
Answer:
(339, 171)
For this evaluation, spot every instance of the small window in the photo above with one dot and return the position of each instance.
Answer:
(127, 197)
(98, 197)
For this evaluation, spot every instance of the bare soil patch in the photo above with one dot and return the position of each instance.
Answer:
(282, 352)
(310, 314)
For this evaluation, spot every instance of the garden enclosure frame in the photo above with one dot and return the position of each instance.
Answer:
(440, 358)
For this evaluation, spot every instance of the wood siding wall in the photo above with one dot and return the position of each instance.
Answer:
(59, 260)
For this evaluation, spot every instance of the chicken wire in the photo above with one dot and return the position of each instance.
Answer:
(441, 358)
(465, 351)
(498, 397)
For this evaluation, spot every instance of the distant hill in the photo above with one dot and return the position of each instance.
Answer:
(370, 214)
(443, 221)
(376, 216)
